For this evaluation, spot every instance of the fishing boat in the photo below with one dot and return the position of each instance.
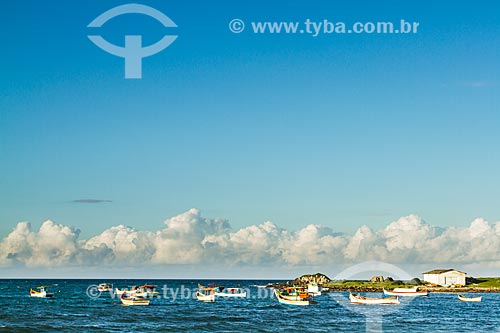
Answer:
(358, 299)
(269, 285)
(314, 289)
(128, 300)
(231, 292)
(130, 291)
(41, 292)
(146, 290)
(412, 292)
(463, 298)
(105, 287)
(205, 294)
(295, 299)
(294, 293)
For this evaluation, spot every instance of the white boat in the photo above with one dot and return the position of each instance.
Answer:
(128, 300)
(413, 292)
(105, 287)
(205, 294)
(120, 292)
(269, 285)
(293, 300)
(148, 291)
(314, 289)
(294, 293)
(40, 293)
(463, 298)
(130, 291)
(358, 299)
(231, 292)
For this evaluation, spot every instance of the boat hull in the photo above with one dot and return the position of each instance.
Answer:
(294, 297)
(134, 301)
(470, 299)
(240, 295)
(297, 301)
(357, 299)
(205, 298)
(406, 293)
(42, 295)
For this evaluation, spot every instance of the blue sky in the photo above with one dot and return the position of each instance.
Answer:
(335, 130)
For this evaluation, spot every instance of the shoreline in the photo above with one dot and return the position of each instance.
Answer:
(429, 289)
(378, 284)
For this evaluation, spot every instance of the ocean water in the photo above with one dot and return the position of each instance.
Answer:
(72, 310)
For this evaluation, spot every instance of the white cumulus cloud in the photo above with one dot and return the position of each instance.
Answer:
(53, 244)
(190, 238)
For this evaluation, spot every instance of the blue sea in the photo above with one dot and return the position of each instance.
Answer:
(73, 310)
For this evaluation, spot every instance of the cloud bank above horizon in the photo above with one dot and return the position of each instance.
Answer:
(189, 238)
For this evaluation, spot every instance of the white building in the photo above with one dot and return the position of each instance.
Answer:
(445, 277)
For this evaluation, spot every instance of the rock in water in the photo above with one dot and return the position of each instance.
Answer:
(318, 278)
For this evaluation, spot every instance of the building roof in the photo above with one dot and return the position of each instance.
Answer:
(441, 271)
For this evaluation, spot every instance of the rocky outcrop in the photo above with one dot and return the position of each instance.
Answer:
(378, 278)
(320, 279)
(415, 281)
